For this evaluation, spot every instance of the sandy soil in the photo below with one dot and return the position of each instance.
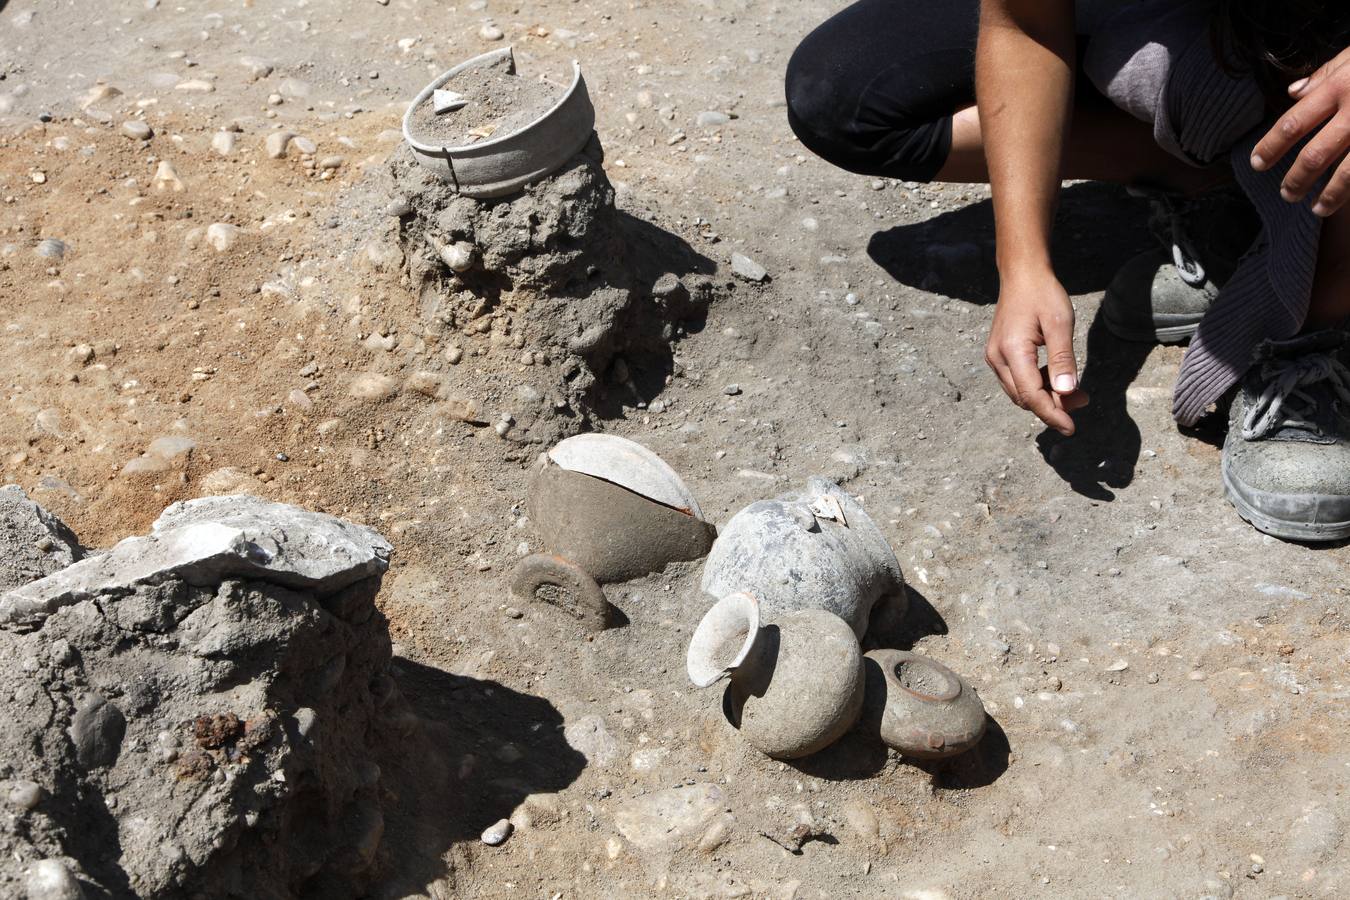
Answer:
(1169, 686)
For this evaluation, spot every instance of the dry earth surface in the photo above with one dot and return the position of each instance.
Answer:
(1169, 686)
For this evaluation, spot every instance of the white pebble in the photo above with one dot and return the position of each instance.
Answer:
(221, 236)
(277, 142)
(223, 142)
(495, 835)
(137, 130)
(490, 33)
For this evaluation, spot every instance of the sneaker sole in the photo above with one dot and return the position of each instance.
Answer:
(1160, 334)
(1245, 501)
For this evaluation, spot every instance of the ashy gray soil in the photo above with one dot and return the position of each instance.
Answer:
(499, 103)
(1167, 685)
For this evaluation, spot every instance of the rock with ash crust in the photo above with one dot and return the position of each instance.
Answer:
(198, 711)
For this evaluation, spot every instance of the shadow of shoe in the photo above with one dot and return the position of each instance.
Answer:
(1104, 450)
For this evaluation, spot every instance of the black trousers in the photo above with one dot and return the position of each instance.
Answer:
(873, 89)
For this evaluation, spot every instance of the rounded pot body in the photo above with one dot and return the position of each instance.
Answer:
(610, 532)
(816, 549)
(800, 687)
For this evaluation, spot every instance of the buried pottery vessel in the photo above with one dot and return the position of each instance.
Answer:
(796, 685)
(723, 639)
(505, 163)
(607, 510)
(919, 707)
(815, 549)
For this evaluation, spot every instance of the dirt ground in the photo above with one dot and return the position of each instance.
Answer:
(1168, 685)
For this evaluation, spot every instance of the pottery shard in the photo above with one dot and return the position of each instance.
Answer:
(669, 819)
(96, 730)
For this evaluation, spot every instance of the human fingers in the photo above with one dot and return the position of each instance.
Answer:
(1021, 357)
(1335, 192)
(1326, 149)
(1296, 123)
(1061, 367)
(993, 356)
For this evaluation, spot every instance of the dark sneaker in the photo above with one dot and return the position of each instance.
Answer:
(1161, 295)
(1286, 462)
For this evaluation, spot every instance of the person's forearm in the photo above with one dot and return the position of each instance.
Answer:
(1024, 67)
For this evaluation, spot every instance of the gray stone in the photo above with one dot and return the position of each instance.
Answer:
(206, 540)
(277, 142)
(25, 795)
(712, 119)
(33, 542)
(669, 819)
(137, 130)
(97, 729)
(589, 737)
(49, 879)
(744, 267)
(497, 833)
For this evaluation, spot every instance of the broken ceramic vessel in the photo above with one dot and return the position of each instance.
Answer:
(508, 162)
(796, 685)
(723, 639)
(919, 707)
(815, 549)
(607, 510)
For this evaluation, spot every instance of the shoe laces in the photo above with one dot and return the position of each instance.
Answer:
(1168, 222)
(1285, 400)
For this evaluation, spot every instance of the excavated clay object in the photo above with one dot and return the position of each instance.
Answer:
(919, 707)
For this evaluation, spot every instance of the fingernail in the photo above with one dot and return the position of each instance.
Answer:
(1287, 194)
(1320, 209)
(1064, 384)
(1298, 85)
(1258, 161)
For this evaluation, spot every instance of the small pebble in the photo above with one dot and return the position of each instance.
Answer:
(137, 130)
(25, 794)
(731, 390)
(277, 142)
(453, 355)
(491, 33)
(51, 248)
(222, 236)
(495, 835)
(744, 267)
(222, 142)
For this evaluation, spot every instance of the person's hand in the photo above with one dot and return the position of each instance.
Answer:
(1322, 104)
(1033, 312)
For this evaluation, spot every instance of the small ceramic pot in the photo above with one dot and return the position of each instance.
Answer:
(795, 686)
(816, 549)
(919, 707)
(507, 162)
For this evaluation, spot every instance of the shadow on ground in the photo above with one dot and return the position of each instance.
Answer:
(659, 312)
(477, 751)
(1098, 228)
(1104, 450)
